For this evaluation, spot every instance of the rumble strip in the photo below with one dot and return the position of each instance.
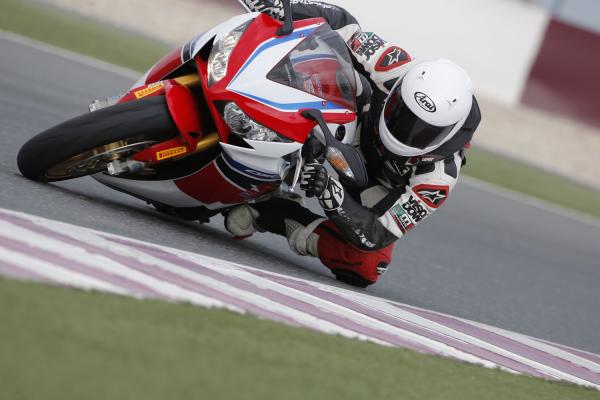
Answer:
(38, 249)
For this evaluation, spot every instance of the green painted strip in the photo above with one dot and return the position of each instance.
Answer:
(64, 344)
(78, 34)
(531, 181)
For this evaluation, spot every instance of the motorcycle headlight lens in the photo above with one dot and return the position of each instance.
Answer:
(221, 52)
(244, 126)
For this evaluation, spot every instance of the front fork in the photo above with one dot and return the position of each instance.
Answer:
(183, 108)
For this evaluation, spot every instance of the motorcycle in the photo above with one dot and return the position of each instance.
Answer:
(224, 120)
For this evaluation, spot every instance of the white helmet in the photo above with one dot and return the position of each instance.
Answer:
(426, 108)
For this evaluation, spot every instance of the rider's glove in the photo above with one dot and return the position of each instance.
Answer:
(315, 181)
(241, 221)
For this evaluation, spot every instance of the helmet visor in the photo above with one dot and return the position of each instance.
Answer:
(407, 127)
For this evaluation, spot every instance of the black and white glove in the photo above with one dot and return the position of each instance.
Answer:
(313, 179)
(273, 8)
(316, 182)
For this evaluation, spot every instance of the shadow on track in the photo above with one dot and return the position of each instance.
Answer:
(120, 214)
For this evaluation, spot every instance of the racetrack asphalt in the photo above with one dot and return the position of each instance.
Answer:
(484, 256)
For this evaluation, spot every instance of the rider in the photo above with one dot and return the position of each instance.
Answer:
(416, 120)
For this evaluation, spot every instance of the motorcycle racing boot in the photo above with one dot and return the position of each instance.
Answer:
(322, 239)
(309, 234)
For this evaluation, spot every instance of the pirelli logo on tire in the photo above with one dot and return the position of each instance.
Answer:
(170, 153)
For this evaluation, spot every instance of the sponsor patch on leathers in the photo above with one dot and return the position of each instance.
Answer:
(366, 44)
(392, 58)
(433, 195)
(333, 196)
(402, 219)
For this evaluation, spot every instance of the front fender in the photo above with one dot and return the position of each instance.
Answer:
(184, 111)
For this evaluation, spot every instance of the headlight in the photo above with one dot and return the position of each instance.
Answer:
(221, 52)
(245, 127)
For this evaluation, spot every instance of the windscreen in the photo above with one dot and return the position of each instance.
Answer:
(320, 65)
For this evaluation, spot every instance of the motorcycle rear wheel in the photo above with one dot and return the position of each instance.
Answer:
(86, 144)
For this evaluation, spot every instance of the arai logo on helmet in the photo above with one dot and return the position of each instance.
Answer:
(425, 102)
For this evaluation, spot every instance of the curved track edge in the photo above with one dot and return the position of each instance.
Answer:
(39, 249)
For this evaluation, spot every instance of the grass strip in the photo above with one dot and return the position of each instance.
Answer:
(531, 181)
(82, 35)
(58, 343)
(137, 52)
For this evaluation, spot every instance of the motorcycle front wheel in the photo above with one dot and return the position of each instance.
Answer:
(86, 144)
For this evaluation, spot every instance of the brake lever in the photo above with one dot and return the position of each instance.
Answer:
(298, 170)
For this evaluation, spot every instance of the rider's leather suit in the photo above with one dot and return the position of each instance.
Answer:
(403, 191)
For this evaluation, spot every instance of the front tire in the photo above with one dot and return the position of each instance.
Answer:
(85, 144)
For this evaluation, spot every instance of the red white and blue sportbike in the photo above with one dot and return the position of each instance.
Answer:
(218, 122)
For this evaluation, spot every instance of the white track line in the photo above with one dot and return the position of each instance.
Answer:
(102, 242)
(262, 302)
(230, 270)
(364, 320)
(406, 316)
(56, 273)
(439, 328)
(400, 312)
(92, 238)
(244, 272)
(105, 264)
(173, 291)
(546, 348)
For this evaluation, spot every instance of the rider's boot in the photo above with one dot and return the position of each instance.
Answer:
(349, 264)
(309, 234)
(241, 222)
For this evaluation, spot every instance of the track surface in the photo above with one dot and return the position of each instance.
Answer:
(484, 257)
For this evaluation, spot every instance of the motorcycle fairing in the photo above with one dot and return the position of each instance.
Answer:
(264, 157)
(240, 174)
(188, 51)
(218, 185)
(250, 81)
(276, 105)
